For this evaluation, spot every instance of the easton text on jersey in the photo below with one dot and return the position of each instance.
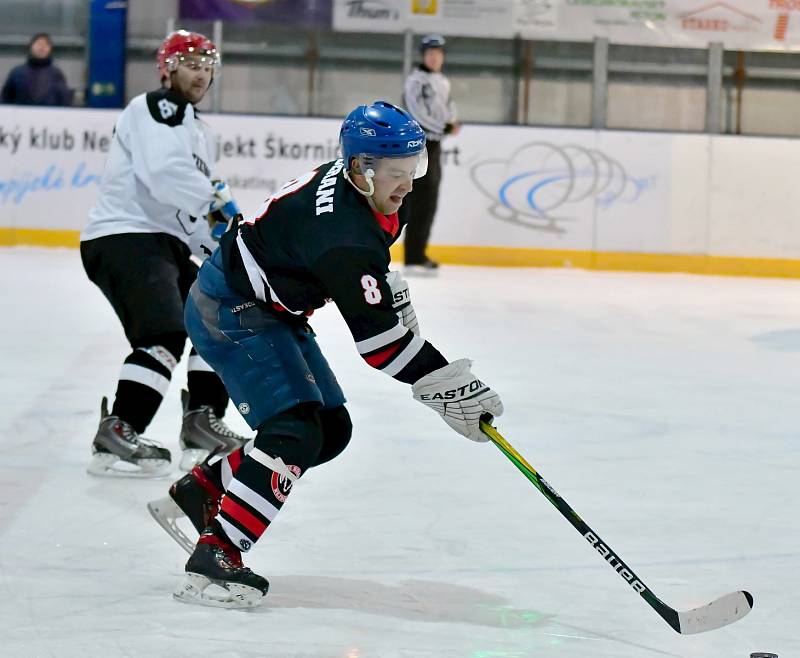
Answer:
(325, 188)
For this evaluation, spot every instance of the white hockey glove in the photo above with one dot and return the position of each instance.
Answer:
(459, 398)
(223, 201)
(401, 301)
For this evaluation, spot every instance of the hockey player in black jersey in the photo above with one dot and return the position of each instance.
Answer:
(154, 197)
(325, 236)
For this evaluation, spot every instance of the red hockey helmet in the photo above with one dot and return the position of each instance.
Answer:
(181, 44)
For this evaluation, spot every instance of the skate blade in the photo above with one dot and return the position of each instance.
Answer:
(166, 513)
(192, 457)
(232, 595)
(106, 464)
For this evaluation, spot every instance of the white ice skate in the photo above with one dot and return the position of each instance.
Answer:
(200, 590)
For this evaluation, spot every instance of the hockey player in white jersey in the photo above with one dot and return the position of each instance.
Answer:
(156, 194)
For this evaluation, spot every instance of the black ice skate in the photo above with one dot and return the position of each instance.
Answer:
(118, 450)
(217, 562)
(196, 495)
(203, 431)
(426, 268)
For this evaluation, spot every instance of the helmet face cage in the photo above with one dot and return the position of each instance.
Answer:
(189, 48)
(393, 169)
(194, 60)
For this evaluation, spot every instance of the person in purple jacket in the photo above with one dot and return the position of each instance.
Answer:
(38, 81)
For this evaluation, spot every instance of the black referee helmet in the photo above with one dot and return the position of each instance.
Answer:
(431, 41)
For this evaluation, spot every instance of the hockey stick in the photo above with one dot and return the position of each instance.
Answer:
(720, 612)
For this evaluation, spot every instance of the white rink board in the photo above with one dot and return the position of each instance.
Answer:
(48, 184)
(556, 189)
(257, 155)
(755, 197)
(503, 186)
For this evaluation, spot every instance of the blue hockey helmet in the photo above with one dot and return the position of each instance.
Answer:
(381, 130)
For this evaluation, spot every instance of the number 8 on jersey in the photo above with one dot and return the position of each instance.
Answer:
(371, 291)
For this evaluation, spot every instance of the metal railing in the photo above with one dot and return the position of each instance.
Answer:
(723, 75)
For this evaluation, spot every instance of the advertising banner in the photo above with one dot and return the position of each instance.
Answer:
(483, 18)
(315, 13)
(51, 161)
(555, 189)
(552, 189)
(50, 165)
(549, 191)
(738, 24)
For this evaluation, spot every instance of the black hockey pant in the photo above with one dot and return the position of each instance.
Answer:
(146, 278)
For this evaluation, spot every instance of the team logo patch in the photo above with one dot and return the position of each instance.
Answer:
(369, 132)
(281, 486)
(310, 378)
(245, 544)
(244, 408)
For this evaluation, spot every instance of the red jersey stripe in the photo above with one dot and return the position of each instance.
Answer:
(242, 516)
(377, 360)
(206, 483)
(234, 459)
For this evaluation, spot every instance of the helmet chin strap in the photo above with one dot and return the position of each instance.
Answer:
(368, 177)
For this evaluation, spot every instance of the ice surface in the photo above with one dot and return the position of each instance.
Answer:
(664, 408)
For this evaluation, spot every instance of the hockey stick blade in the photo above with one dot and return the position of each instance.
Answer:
(720, 612)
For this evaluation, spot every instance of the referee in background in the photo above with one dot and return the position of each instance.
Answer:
(426, 95)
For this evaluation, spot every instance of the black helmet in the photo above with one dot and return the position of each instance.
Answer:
(431, 41)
